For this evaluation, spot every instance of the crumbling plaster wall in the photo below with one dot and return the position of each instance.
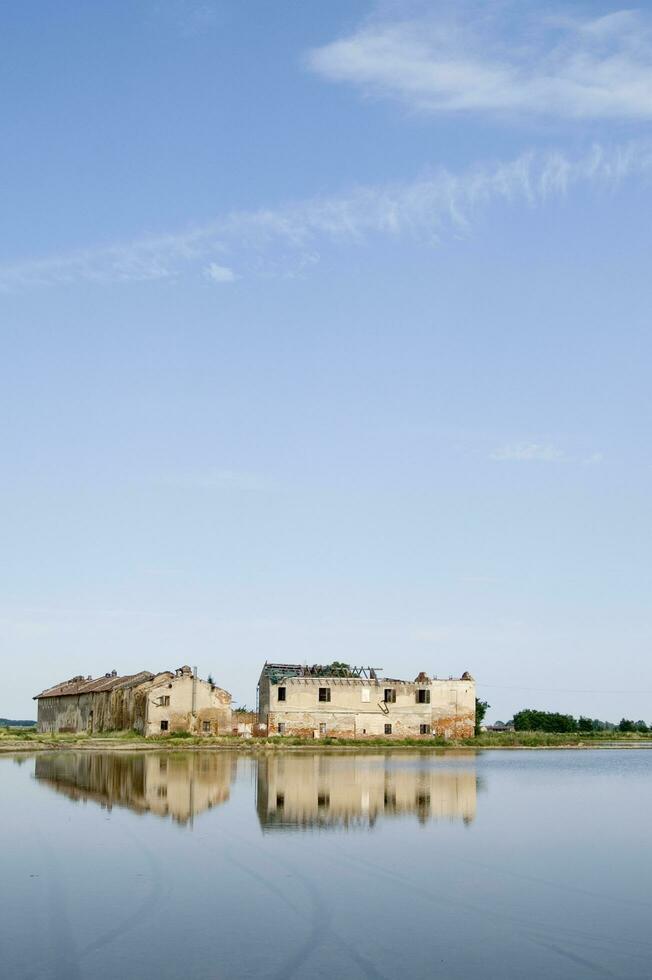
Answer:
(212, 706)
(357, 708)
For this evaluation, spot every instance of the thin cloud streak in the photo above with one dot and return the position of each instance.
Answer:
(501, 57)
(528, 452)
(427, 209)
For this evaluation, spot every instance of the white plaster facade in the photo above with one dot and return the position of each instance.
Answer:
(310, 702)
(181, 702)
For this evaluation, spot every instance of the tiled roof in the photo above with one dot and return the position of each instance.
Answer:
(88, 685)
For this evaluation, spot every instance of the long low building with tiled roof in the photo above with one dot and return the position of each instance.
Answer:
(151, 704)
(97, 685)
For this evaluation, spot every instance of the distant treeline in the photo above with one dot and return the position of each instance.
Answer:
(531, 720)
(10, 723)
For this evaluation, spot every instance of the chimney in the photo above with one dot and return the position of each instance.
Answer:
(194, 690)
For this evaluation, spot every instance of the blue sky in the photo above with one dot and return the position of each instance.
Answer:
(325, 334)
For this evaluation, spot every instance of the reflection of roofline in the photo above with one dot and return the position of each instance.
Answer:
(280, 825)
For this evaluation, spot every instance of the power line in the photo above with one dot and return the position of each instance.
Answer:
(560, 690)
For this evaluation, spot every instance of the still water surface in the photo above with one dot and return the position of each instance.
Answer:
(390, 865)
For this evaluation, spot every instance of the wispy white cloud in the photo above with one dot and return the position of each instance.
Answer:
(594, 459)
(527, 452)
(505, 57)
(284, 239)
(219, 273)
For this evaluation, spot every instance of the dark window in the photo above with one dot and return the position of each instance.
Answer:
(165, 700)
(423, 799)
(281, 694)
(206, 725)
(164, 726)
(281, 728)
(388, 729)
(390, 695)
(425, 729)
(280, 801)
(324, 693)
(323, 800)
(423, 696)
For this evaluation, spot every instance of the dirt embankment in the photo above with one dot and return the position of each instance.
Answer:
(30, 742)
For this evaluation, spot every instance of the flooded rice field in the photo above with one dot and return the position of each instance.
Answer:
(281, 865)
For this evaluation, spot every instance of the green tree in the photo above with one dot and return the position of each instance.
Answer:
(585, 724)
(626, 725)
(481, 708)
(531, 720)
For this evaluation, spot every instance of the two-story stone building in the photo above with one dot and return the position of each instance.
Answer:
(354, 702)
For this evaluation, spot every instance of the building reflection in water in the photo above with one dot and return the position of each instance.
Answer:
(170, 785)
(296, 792)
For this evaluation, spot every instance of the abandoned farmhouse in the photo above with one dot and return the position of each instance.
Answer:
(354, 702)
(292, 699)
(171, 701)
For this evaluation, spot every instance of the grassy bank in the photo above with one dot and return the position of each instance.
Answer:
(21, 739)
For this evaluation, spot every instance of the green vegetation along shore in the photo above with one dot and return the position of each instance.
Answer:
(13, 740)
